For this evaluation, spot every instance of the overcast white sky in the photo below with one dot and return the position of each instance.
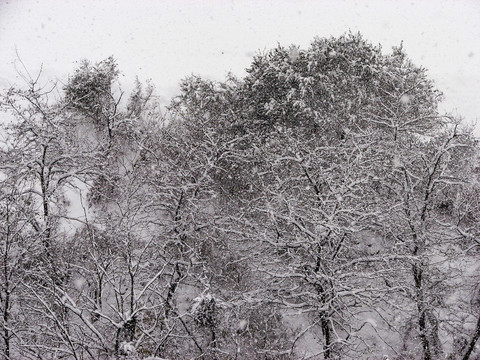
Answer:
(168, 40)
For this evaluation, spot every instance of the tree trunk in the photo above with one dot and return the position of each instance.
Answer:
(326, 334)
(6, 333)
(324, 317)
(6, 300)
(422, 323)
(473, 341)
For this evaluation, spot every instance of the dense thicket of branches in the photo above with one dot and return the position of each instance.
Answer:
(319, 208)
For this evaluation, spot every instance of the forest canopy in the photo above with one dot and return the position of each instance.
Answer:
(320, 207)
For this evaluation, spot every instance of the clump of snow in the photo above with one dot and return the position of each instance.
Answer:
(242, 326)
(128, 350)
(201, 299)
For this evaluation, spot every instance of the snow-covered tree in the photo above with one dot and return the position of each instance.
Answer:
(319, 207)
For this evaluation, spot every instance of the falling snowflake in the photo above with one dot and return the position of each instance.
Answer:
(79, 282)
(405, 99)
(293, 53)
(397, 163)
